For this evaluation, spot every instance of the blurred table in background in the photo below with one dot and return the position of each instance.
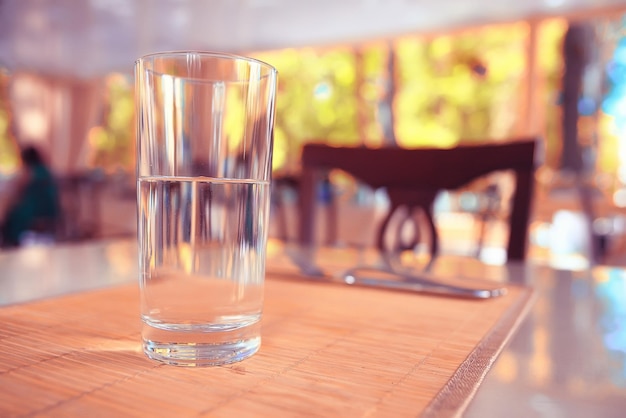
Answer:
(82, 206)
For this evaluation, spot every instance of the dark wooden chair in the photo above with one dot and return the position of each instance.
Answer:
(414, 177)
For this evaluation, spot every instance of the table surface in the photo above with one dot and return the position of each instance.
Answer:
(327, 349)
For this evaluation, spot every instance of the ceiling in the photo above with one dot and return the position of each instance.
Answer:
(91, 37)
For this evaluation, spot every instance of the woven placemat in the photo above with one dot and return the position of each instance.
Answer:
(327, 350)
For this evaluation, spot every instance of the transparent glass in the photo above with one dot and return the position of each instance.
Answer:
(204, 158)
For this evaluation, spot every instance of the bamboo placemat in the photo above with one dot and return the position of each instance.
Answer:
(327, 350)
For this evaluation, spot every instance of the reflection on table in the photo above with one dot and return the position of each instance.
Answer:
(569, 357)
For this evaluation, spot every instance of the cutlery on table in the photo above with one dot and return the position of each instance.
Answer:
(396, 279)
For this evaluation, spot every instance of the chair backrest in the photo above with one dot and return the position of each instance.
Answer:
(414, 177)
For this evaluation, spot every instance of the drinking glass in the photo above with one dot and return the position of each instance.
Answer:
(204, 159)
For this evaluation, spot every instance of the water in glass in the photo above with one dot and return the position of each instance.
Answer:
(202, 262)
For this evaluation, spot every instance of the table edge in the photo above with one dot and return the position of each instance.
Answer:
(458, 392)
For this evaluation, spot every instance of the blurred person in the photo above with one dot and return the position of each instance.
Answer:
(33, 202)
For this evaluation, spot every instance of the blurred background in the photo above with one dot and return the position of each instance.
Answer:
(354, 72)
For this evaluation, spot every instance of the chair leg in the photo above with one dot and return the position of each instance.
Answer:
(434, 236)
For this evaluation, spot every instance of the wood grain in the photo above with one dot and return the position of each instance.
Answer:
(327, 350)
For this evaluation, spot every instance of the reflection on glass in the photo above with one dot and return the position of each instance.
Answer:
(612, 322)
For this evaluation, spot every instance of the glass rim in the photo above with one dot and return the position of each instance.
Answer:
(204, 53)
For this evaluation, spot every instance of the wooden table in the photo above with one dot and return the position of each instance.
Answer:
(327, 350)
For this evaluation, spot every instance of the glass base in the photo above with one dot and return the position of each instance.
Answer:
(198, 354)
